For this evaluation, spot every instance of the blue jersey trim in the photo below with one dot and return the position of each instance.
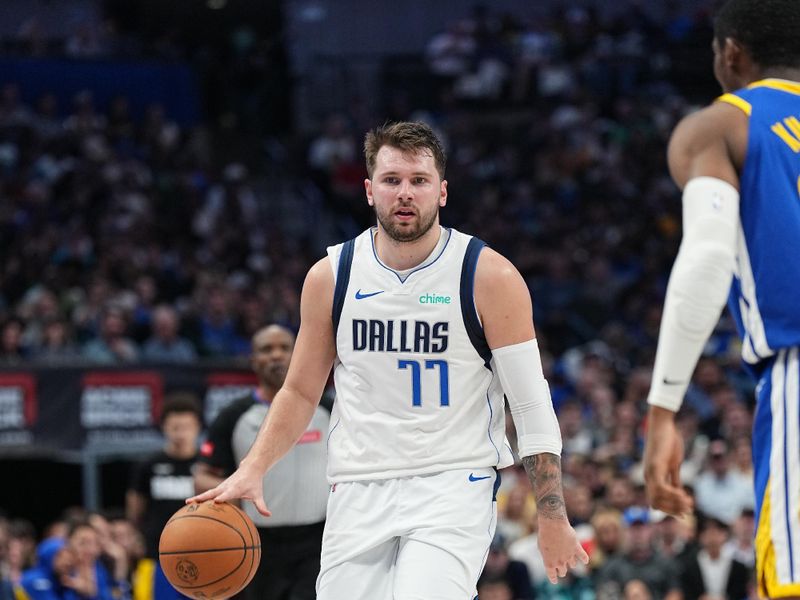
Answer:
(491, 418)
(762, 433)
(468, 312)
(418, 269)
(342, 281)
(330, 433)
(786, 465)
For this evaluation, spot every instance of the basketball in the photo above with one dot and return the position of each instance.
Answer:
(209, 550)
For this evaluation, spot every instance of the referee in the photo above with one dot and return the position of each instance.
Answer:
(296, 489)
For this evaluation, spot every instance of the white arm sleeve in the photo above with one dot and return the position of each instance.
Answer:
(519, 367)
(698, 286)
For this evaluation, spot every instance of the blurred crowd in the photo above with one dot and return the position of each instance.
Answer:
(123, 241)
(80, 555)
(127, 241)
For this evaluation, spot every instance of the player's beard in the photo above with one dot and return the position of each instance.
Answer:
(408, 232)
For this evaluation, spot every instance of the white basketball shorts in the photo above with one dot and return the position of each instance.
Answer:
(423, 537)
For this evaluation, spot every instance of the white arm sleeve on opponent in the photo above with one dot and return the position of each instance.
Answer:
(519, 367)
(698, 286)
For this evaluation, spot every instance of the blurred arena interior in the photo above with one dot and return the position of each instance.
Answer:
(170, 170)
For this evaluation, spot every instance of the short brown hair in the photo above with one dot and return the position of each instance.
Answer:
(181, 402)
(406, 136)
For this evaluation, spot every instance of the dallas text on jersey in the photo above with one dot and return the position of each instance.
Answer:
(374, 335)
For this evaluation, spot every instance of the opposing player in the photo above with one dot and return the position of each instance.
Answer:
(738, 162)
(428, 329)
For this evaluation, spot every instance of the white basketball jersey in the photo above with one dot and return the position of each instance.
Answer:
(415, 392)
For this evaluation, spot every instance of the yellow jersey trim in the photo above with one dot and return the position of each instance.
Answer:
(20, 593)
(143, 579)
(766, 571)
(734, 100)
(777, 84)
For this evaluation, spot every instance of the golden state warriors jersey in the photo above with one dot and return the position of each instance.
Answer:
(765, 295)
(415, 389)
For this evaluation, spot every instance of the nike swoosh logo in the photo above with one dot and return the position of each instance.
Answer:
(360, 296)
(473, 478)
(672, 382)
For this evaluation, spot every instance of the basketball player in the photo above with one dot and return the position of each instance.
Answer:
(296, 488)
(738, 162)
(426, 329)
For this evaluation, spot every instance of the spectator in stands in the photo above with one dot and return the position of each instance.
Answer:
(334, 145)
(112, 554)
(494, 588)
(13, 113)
(620, 493)
(46, 580)
(160, 484)
(526, 550)
(674, 538)
(737, 422)
(21, 553)
(219, 336)
(641, 561)
(38, 305)
(694, 441)
(70, 567)
(742, 456)
(12, 350)
(126, 535)
(89, 577)
(514, 515)
(608, 537)
(112, 345)
(720, 491)
(500, 566)
(57, 344)
(579, 503)
(742, 542)
(165, 345)
(575, 432)
(708, 376)
(712, 571)
(636, 589)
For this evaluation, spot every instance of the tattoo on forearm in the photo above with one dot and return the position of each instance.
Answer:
(544, 471)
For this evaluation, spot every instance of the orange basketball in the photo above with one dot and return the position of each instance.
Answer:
(209, 550)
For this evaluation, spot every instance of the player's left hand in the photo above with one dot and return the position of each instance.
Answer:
(560, 548)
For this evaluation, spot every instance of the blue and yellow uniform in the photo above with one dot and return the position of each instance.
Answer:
(765, 301)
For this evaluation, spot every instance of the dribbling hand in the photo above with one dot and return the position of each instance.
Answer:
(245, 483)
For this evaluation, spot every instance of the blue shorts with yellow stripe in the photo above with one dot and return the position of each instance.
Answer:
(776, 461)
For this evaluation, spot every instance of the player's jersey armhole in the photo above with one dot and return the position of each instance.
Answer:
(738, 102)
(342, 281)
(467, 293)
